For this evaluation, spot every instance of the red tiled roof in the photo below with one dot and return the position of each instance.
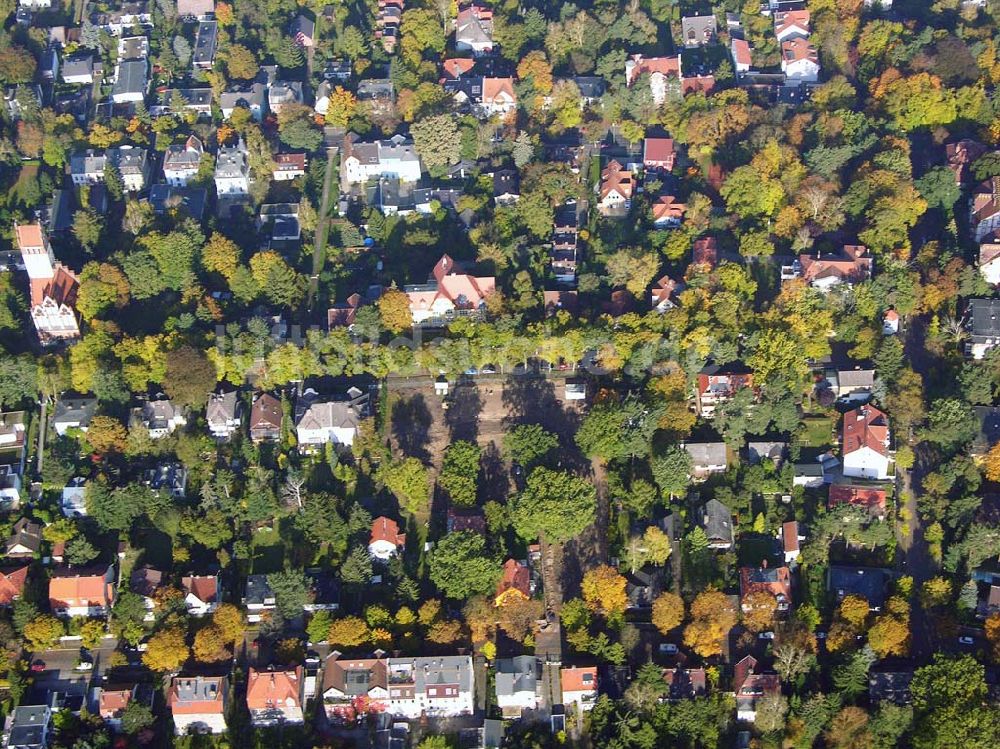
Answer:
(787, 19)
(845, 494)
(516, 577)
(854, 264)
(578, 679)
(12, 584)
(793, 50)
(666, 207)
(113, 702)
(656, 150)
(775, 580)
(705, 251)
(663, 65)
(695, 83)
(790, 535)
(387, 529)
(83, 590)
(267, 689)
(203, 587)
(616, 178)
(866, 426)
(741, 52)
(494, 87)
(456, 67)
(29, 236)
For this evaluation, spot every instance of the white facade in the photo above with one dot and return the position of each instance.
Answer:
(435, 687)
(806, 71)
(866, 463)
(198, 607)
(74, 503)
(35, 4)
(185, 723)
(382, 550)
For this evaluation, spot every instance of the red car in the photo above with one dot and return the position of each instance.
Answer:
(38, 666)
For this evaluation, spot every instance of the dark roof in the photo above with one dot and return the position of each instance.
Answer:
(985, 317)
(591, 86)
(718, 521)
(190, 200)
(506, 182)
(989, 428)
(868, 582)
(891, 686)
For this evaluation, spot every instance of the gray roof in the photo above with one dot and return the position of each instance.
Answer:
(717, 520)
(591, 86)
(985, 318)
(447, 669)
(707, 453)
(29, 725)
(856, 378)
(808, 469)
(198, 688)
(133, 48)
(518, 674)
(193, 97)
(258, 590)
(232, 162)
(301, 25)
(251, 98)
(78, 65)
(205, 43)
(170, 477)
(186, 155)
(758, 451)
(892, 686)
(324, 415)
(281, 92)
(74, 409)
(697, 29)
(191, 200)
(221, 407)
(131, 78)
(88, 162)
(868, 582)
(989, 428)
(128, 159)
(375, 88)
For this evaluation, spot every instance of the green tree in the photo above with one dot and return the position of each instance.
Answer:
(461, 567)
(79, 551)
(291, 592)
(950, 705)
(460, 471)
(938, 188)
(87, 228)
(127, 617)
(407, 479)
(528, 444)
(951, 423)
(555, 505)
(618, 430)
(136, 717)
(190, 376)
(437, 140)
(357, 567)
(672, 471)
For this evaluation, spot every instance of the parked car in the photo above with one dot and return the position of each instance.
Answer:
(765, 636)
(668, 648)
(966, 640)
(38, 665)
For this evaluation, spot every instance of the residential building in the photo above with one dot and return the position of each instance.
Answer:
(232, 171)
(275, 697)
(169, 478)
(28, 727)
(265, 418)
(579, 686)
(742, 55)
(160, 417)
(506, 187)
(303, 30)
(438, 687)
(800, 60)
(182, 161)
(704, 254)
(342, 315)
(869, 498)
(177, 101)
(198, 704)
(697, 31)
(324, 591)
(751, 687)
(390, 13)
(206, 43)
(12, 581)
(385, 541)
(870, 583)
(77, 592)
(885, 685)
(53, 287)
(960, 156)
(78, 69)
(186, 201)
(349, 680)
(288, 166)
(760, 450)
(685, 683)
(74, 498)
(664, 74)
(890, 322)
(517, 684)
(717, 521)
(252, 97)
(133, 48)
(663, 295)
(130, 82)
(807, 474)
(853, 265)
(668, 212)
(592, 88)
(112, 699)
(865, 444)
(764, 579)
(223, 414)
(202, 594)
(499, 97)
(132, 164)
(25, 540)
(989, 430)
(449, 293)
(716, 384)
(984, 326)
(852, 384)
(258, 597)
(144, 581)
(617, 187)
(659, 153)
(87, 168)
(514, 585)
(319, 421)
(707, 458)
(395, 157)
(196, 9)
(474, 30)
(72, 412)
(281, 93)
(790, 539)
(791, 24)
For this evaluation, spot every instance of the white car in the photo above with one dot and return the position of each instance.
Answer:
(668, 648)
(84, 666)
(966, 640)
(765, 636)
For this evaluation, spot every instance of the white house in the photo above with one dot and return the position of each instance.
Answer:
(989, 262)
(274, 697)
(319, 422)
(394, 158)
(865, 444)
(517, 684)
(74, 503)
(232, 170)
(890, 322)
(790, 539)
(436, 687)
(75, 593)
(53, 286)
(800, 60)
(791, 24)
(182, 160)
(499, 97)
(386, 541)
(201, 594)
(132, 164)
(742, 56)
(579, 686)
(160, 417)
(198, 704)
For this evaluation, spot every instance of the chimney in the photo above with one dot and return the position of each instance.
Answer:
(763, 564)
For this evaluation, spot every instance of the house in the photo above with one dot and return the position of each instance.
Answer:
(258, 597)
(790, 539)
(989, 262)
(112, 699)
(890, 322)
(717, 521)
(74, 498)
(252, 98)
(716, 384)
(685, 683)
(465, 520)
(13, 434)
(25, 540)
(160, 417)
(764, 579)
(182, 161)
(984, 213)
(697, 31)
(53, 287)
(265, 418)
(338, 70)
(707, 458)
(760, 450)
(206, 42)
(379, 95)
(742, 55)
(130, 82)
(890, 685)
(557, 300)
(988, 602)
(853, 265)
(591, 87)
(198, 704)
(869, 498)
(90, 593)
(177, 101)
(132, 164)
(704, 254)
(506, 187)
(616, 189)
(169, 478)
(853, 384)
(144, 581)
(87, 168)
(865, 444)
(517, 682)
(807, 474)
(449, 293)
(668, 212)
(960, 156)
(73, 412)
(133, 48)
(499, 97)
(750, 687)
(870, 583)
(323, 591)
(515, 583)
(474, 30)
(663, 295)
(318, 422)
(343, 315)
(390, 13)
(223, 414)
(984, 326)
(186, 201)
(350, 681)
(303, 30)
(395, 157)
(791, 24)
(202, 594)
(78, 69)
(196, 9)
(664, 74)
(579, 686)
(232, 170)
(288, 166)
(275, 697)
(12, 581)
(28, 727)
(438, 686)
(281, 93)
(385, 541)
(800, 60)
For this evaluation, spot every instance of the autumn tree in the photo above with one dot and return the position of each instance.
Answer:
(890, 635)
(166, 650)
(106, 435)
(102, 285)
(712, 616)
(190, 376)
(240, 62)
(848, 730)
(668, 612)
(42, 633)
(209, 645)
(992, 630)
(220, 255)
(650, 547)
(758, 610)
(603, 589)
(229, 620)
(342, 107)
(394, 309)
(348, 632)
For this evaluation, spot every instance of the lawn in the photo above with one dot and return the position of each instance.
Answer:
(268, 552)
(817, 431)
